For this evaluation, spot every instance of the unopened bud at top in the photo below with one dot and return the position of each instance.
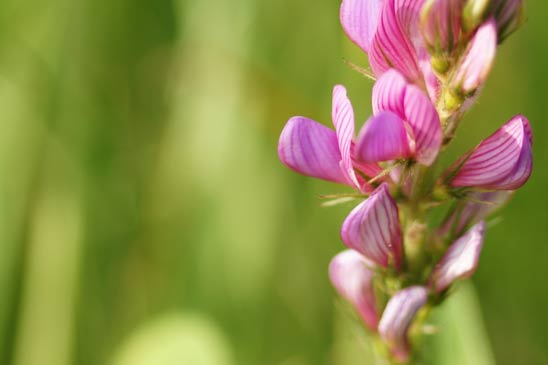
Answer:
(509, 15)
(478, 61)
(475, 12)
(441, 25)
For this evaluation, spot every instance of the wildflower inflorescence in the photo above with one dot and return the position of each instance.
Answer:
(430, 59)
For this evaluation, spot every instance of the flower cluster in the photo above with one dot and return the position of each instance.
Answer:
(430, 59)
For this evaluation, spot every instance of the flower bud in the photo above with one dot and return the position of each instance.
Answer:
(397, 318)
(441, 26)
(474, 13)
(509, 15)
(353, 281)
(476, 64)
(478, 205)
(373, 229)
(461, 259)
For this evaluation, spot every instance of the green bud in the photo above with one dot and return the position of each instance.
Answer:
(452, 101)
(474, 13)
(440, 65)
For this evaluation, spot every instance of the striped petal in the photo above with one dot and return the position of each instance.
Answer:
(343, 119)
(391, 46)
(423, 118)
(373, 229)
(383, 138)
(353, 280)
(461, 259)
(502, 161)
(393, 93)
(397, 318)
(311, 149)
(476, 65)
(359, 20)
(389, 93)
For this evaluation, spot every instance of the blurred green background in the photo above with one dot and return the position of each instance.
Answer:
(145, 217)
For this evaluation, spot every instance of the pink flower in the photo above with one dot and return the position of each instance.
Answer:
(461, 259)
(388, 31)
(405, 123)
(397, 318)
(503, 161)
(373, 229)
(312, 149)
(351, 277)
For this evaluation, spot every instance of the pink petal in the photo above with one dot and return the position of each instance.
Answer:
(311, 149)
(389, 93)
(391, 46)
(373, 229)
(398, 316)
(461, 259)
(423, 118)
(476, 65)
(408, 14)
(359, 20)
(383, 138)
(350, 276)
(431, 81)
(343, 119)
(502, 161)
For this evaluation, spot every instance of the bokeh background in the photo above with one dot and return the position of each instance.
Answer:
(145, 218)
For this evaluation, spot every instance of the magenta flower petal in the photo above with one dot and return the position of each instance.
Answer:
(502, 161)
(430, 79)
(343, 119)
(393, 93)
(383, 138)
(311, 149)
(389, 93)
(350, 276)
(373, 229)
(423, 118)
(392, 46)
(359, 20)
(461, 259)
(476, 65)
(398, 316)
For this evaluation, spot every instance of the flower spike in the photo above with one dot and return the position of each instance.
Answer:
(373, 229)
(349, 273)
